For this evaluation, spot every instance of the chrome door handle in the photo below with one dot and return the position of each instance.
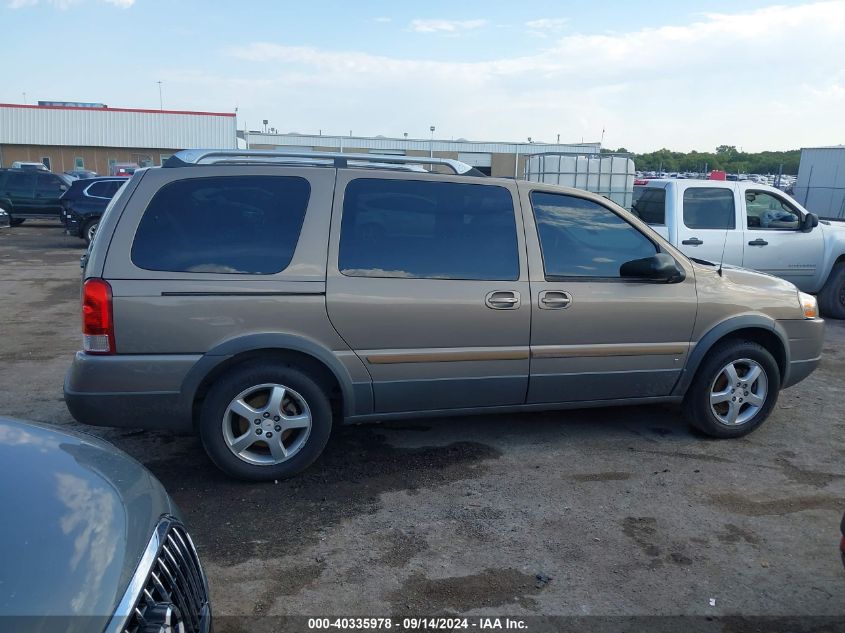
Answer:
(555, 300)
(502, 300)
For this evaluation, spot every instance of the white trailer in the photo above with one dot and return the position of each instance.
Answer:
(609, 175)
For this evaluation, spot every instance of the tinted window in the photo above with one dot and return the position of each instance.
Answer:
(104, 189)
(422, 229)
(581, 238)
(20, 181)
(709, 208)
(231, 224)
(650, 207)
(766, 211)
(51, 185)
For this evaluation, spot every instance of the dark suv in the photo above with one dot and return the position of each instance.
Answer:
(84, 203)
(31, 194)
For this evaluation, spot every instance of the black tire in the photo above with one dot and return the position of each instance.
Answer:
(17, 221)
(697, 408)
(832, 295)
(86, 230)
(242, 378)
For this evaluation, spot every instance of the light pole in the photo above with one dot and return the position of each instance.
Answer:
(431, 143)
(160, 100)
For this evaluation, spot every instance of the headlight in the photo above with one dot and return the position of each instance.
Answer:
(809, 305)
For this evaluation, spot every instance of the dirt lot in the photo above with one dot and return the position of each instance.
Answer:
(619, 511)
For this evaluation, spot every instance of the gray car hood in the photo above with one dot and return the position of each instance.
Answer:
(77, 516)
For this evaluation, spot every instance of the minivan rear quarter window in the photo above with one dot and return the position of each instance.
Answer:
(222, 224)
(428, 229)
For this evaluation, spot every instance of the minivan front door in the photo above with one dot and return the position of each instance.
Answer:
(427, 282)
(595, 335)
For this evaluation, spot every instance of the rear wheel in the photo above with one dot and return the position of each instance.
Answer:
(265, 421)
(832, 295)
(89, 230)
(734, 391)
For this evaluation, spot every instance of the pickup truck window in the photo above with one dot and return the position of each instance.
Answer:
(650, 207)
(709, 208)
(581, 238)
(766, 211)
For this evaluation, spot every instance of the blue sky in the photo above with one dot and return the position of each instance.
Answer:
(760, 75)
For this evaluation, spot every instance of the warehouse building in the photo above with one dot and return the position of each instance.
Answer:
(494, 159)
(78, 136)
(821, 181)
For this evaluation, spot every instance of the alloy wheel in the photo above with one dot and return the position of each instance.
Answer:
(738, 392)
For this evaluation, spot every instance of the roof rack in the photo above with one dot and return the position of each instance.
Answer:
(194, 157)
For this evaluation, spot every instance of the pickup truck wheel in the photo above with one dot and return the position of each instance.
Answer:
(734, 391)
(832, 295)
(89, 230)
(17, 221)
(265, 421)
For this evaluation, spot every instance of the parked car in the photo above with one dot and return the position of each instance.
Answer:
(81, 173)
(84, 203)
(751, 225)
(19, 164)
(123, 169)
(31, 194)
(257, 302)
(92, 542)
(5, 220)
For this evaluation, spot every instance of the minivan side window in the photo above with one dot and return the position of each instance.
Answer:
(581, 238)
(650, 207)
(222, 224)
(428, 230)
(709, 208)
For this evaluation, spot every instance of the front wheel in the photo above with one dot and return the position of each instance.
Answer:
(832, 295)
(734, 391)
(265, 421)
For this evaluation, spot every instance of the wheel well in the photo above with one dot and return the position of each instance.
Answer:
(768, 339)
(321, 374)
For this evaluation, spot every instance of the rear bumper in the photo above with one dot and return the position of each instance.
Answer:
(143, 391)
(806, 339)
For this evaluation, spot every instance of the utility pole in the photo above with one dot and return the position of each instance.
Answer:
(160, 100)
(431, 143)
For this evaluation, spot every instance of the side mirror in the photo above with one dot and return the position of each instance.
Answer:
(660, 267)
(809, 222)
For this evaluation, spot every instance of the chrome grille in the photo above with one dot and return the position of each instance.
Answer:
(174, 586)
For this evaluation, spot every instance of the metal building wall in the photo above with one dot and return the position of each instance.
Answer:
(821, 181)
(90, 127)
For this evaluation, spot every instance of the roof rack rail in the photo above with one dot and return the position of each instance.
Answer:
(194, 157)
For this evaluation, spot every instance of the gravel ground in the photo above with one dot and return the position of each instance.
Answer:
(614, 512)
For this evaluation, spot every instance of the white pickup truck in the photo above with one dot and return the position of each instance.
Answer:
(753, 226)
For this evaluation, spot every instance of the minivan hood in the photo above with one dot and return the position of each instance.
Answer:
(78, 514)
(747, 291)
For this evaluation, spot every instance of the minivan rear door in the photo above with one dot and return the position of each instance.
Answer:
(427, 282)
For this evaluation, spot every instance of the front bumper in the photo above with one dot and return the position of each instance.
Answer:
(134, 391)
(806, 339)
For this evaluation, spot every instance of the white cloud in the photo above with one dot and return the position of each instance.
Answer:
(547, 23)
(383, 19)
(446, 26)
(19, 4)
(765, 79)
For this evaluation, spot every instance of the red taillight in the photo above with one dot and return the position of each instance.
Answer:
(97, 321)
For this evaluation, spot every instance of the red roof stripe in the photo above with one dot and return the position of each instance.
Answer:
(38, 107)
